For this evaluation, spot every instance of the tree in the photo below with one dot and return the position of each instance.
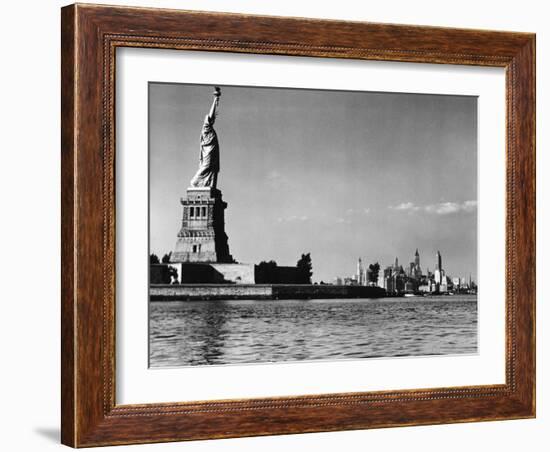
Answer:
(373, 274)
(266, 273)
(172, 275)
(304, 269)
(154, 259)
(166, 258)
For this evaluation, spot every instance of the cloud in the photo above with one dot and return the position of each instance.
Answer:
(446, 208)
(442, 208)
(407, 206)
(470, 206)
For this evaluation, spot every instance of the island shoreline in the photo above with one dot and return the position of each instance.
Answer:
(208, 292)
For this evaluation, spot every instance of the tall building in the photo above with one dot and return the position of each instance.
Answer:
(360, 273)
(381, 279)
(439, 273)
(394, 278)
(387, 280)
(415, 271)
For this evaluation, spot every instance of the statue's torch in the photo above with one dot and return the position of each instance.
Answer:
(217, 94)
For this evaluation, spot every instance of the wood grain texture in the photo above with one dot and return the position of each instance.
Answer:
(90, 36)
(68, 147)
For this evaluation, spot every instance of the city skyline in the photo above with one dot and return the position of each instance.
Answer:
(367, 172)
(417, 260)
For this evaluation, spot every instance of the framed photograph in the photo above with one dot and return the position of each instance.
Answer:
(281, 225)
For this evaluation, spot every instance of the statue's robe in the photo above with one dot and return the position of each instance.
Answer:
(209, 164)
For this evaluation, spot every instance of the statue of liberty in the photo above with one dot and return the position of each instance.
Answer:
(209, 163)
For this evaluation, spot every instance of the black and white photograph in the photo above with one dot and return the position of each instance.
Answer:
(275, 226)
(294, 225)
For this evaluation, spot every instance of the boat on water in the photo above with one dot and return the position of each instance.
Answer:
(408, 295)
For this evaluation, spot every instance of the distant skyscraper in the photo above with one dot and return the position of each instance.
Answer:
(380, 282)
(360, 273)
(416, 271)
(439, 274)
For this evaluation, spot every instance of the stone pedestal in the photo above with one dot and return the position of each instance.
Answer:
(202, 236)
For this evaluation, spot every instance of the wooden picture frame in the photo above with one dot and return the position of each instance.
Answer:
(90, 35)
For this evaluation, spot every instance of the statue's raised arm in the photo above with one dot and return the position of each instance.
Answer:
(209, 162)
(215, 104)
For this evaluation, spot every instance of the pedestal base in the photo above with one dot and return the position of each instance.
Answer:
(202, 236)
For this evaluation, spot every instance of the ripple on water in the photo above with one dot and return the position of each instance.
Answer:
(191, 333)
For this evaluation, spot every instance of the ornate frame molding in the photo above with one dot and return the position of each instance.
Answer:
(90, 37)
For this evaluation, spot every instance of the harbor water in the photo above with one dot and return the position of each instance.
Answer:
(184, 333)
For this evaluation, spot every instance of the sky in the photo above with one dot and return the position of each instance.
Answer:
(339, 174)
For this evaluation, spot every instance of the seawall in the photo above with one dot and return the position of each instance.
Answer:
(194, 292)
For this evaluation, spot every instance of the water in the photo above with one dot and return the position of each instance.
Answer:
(235, 332)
